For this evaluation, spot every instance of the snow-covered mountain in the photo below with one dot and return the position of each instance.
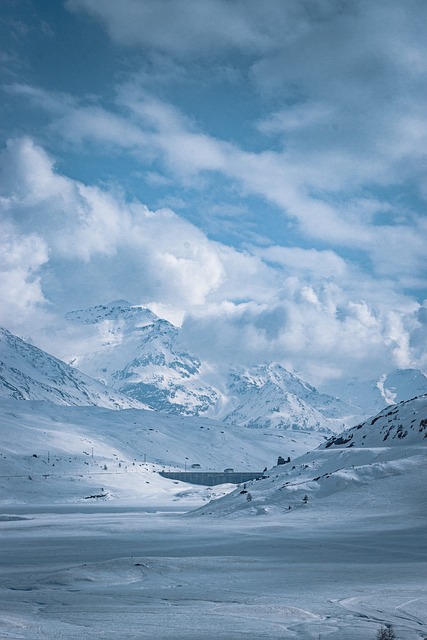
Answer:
(378, 465)
(270, 396)
(390, 388)
(134, 352)
(28, 373)
(52, 415)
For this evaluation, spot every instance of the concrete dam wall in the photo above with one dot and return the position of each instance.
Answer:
(211, 478)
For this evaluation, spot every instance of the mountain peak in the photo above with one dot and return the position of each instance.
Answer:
(270, 395)
(134, 351)
(118, 310)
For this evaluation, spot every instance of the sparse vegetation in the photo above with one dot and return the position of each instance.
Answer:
(386, 633)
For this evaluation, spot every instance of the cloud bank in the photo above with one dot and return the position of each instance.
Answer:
(68, 245)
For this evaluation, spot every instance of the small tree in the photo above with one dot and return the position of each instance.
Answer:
(386, 633)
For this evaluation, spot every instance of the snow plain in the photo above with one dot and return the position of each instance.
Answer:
(106, 573)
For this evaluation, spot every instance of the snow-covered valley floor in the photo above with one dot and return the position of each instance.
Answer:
(100, 571)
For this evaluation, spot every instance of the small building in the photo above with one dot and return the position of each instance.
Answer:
(229, 470)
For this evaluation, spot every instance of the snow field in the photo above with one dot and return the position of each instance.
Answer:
(138, 575)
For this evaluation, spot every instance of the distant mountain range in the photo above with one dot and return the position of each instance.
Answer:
(270, 396)
(261, 412)
(138, 354)
(135, 362)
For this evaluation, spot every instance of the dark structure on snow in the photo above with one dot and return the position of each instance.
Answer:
(211, 478)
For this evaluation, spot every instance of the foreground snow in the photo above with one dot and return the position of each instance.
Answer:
(95, 573)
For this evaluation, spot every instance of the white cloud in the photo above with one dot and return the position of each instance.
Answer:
(318, 330)
(23, 302)
(69, 245)
(89, 233)
(307, 188)
(179, 27)
(318, 265)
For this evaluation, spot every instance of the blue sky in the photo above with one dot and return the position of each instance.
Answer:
(256, 172)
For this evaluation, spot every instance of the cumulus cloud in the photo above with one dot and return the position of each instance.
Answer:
(350, 82)
(23, 301)
(91, 233)
(295, 183)
(317, 333)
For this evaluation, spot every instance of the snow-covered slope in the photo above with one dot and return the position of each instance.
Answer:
(373, 395)
(28, 373)
(52, 453)
(373, 465)
(271, 396)
(134, 352)
(401, 424)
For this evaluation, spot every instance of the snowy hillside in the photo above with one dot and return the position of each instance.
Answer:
(269, 395)
(51, 453)
(28, 373)
(134, 352)
(374, 463)
(401, 424)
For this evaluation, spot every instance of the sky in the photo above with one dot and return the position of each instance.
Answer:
(256, 173)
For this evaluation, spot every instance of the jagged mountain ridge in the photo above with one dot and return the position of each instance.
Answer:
(29, 373)
(138, 353)
(401, 424)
